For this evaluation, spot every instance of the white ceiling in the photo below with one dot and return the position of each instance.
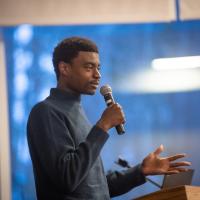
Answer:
(189, 9)
(53, 12)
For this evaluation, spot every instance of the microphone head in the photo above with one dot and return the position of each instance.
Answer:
(105, 89)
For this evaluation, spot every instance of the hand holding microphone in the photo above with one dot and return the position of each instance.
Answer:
(113, 116)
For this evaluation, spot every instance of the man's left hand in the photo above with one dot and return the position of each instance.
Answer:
(155, 165)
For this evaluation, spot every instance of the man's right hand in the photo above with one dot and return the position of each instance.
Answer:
(111, 117)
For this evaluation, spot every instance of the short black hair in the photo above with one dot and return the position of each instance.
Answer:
(69, 48)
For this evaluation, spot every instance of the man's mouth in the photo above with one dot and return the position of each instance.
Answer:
(94, 83)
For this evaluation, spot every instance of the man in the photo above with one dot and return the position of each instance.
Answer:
(65, 148)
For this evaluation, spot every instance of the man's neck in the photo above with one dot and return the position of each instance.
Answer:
(63, 87)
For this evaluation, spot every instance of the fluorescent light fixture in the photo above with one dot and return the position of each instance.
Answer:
(152, 81)
(177, 63)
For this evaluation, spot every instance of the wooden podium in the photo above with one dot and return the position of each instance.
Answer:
(184, 192)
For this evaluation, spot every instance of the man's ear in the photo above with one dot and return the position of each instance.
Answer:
(64, 68)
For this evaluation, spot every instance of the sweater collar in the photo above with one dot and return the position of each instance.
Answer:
(64, 94)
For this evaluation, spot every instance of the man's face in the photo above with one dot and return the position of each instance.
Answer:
(83, 73)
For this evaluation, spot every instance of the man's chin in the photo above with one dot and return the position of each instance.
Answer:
(90, 92)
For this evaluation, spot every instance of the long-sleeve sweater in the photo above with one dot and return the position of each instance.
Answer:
(65, 151)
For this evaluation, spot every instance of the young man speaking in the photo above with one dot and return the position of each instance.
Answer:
(65, 149)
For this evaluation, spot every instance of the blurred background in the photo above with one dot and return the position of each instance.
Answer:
(150, 55)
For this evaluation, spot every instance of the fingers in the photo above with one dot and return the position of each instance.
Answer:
(171, 172)
(175, 157)
(177, 170)
(122, 112)
(159, 150)
(112, 116)
(123, 116)
(178, 164)
(118, 106)
(181, 169)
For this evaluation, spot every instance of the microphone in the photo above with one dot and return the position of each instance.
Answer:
(106, 91)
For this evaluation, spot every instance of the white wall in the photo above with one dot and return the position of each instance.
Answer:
(5, 190)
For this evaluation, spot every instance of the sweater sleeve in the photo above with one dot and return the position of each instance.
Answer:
(52, 148)
(122, 182)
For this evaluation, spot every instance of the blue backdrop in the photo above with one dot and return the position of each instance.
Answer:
(172, 119)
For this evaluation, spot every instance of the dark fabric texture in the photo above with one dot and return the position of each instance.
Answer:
(65, 151)
(123, 181)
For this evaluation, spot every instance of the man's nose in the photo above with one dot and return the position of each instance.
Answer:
(97, 73)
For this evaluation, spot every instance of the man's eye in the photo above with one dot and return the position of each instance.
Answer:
(89, 66)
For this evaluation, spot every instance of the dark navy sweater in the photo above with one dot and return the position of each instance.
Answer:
(65, 151)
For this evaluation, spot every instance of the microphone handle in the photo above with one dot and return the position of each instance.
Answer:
(120, 129)
(109, 101)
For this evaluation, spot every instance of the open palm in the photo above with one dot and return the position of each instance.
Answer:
(155, 165)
